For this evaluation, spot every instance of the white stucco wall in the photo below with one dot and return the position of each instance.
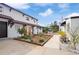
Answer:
(62, 28)
(39, 30)
(35, 30)
(13, 31)
(75, 24)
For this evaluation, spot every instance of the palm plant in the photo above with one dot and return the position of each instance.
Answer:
(74, 38)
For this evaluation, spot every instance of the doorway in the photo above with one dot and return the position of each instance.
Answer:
(3, 29)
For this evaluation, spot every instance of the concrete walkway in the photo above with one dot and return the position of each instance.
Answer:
(14, 47)
(48, 51)
(54, 42)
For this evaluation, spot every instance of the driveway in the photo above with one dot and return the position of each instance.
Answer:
(14, 47)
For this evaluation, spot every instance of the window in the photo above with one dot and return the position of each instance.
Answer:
(17, 26)
(0, 8)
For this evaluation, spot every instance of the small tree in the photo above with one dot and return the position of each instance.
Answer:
(45, 29)
(22, 31)
(54, 27)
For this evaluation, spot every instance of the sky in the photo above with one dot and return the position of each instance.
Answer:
(46, 13)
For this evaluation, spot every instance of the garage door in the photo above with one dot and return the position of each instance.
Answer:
(3, 29)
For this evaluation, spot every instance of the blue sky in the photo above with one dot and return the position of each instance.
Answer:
(47, 13)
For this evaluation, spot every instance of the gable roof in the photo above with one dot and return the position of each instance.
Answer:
(18, 11)
(72, 15)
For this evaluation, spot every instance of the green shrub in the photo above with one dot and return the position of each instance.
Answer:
(41, 40)
(45, 29)
(26, 37)
(21, 31)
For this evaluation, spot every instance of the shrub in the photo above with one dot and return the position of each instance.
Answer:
(41, 40)
(26, 37)
(62, 33)
(21, 31)
(45, 29)
(63, 36)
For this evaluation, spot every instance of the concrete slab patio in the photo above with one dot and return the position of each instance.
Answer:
(14, 47)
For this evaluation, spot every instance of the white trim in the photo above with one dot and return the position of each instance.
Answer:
(4, 20)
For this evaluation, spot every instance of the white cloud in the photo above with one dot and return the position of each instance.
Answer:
(46, 13)
(42, 4)
(19, 5)
(63, 5)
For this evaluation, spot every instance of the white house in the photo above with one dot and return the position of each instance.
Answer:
(70, 24)
(12, 19)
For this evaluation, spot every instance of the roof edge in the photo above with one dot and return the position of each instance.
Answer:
(18, 11)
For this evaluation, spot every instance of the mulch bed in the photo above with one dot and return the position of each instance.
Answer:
(35, 39)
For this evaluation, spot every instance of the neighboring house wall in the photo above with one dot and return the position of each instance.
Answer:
(75, 24)
(71, 26)
(62, 28)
